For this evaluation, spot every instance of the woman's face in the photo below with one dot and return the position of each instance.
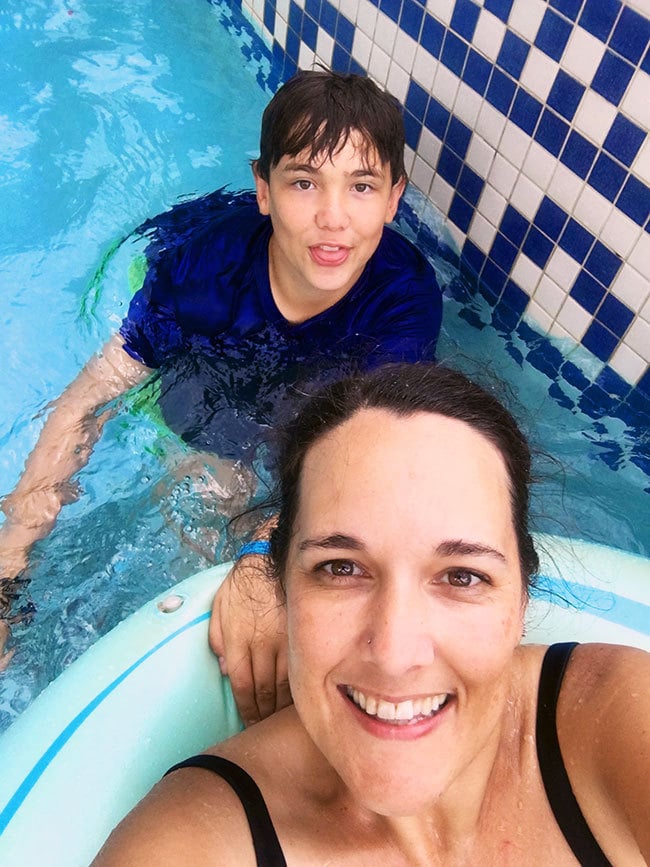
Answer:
(405, 604)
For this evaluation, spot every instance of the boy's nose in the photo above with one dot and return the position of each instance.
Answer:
(332, 214)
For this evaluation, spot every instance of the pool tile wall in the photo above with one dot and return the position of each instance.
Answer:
(527, 127)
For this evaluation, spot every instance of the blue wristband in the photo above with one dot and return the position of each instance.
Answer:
(258, 546)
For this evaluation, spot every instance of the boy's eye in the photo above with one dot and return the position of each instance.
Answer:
(303, 184)
(463, 578)
(362, 188)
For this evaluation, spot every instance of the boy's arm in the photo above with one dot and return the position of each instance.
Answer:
(63, 447)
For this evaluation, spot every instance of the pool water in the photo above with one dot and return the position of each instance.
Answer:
(111, 113)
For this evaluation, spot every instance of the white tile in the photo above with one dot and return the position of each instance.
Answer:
(582, 55)
(479, 155)
(361, 48)
(594, 116)
(468, 104)
(300, 3)
(549, 296)
(488, 35)
(409, 157)
(641, 166)
(366, 18)
(539, 165)
(378, 66)
(636, 102)
(424, 68)
(565, 187)
(627, 364)
(282, 9)
(558, 331)
(490, 124)
(526, 197)
(562, 269)
(429, 147)
(631, 287)
(441, 194)
(573, 319)
(539, 73)
(642, 6)
(645, 311)
(503, 175)
(457, 236)
(526, 274)
(537, 316)
(481, 232)
(640, 255)
(422, 175)
(620, 233)
(306, 56)
(592, 209)
(404, 50)
(526, 16)
(638, 338)
(492, 205)
(349, 8)
(398, 82)
(385, 32)
(514, 144)
(441, 9)
(445, 86)
(324, 47)
(280, 30)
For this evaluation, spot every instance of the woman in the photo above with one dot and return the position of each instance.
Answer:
(416, 736)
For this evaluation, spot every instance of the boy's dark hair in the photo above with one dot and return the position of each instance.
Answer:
(317, 111)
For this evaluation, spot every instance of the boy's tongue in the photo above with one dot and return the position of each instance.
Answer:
(326, 254)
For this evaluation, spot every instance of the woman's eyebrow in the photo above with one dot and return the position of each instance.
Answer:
(335, 540)
(463, 548)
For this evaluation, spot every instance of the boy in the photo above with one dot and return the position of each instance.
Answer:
(301, 282)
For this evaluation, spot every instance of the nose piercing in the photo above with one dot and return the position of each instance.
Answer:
(370, 641)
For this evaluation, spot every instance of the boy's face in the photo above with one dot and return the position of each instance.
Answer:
(328, 217)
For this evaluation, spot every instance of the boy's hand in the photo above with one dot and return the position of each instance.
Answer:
(248, 634)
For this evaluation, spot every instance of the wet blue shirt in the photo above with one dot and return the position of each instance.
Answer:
(206, 318)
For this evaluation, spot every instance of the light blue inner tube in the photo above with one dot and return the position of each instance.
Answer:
(150, 694)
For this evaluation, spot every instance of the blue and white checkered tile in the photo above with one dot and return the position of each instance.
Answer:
(527, 126)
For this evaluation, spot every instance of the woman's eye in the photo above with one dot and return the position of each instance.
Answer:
(463, 578)
(341, 568)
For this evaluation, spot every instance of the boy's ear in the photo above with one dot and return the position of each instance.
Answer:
(261, 191)
(393, 201)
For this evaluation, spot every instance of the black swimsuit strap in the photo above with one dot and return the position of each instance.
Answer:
(265, 840)
(560, 795)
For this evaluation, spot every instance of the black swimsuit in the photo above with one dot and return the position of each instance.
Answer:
(556, 781)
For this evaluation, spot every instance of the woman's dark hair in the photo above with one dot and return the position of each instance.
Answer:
(404, 389)
(318, 110)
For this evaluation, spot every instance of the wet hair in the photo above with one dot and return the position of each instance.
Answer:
(404, 389)
(318, 111)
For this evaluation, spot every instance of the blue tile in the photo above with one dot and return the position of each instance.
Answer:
(576, 240)
(391, 8)
(631, 35)
(437, 118)
(501, 91)
(612, 77)
(643, 385)
(312, 8)
(432, 35)
(525, 110)
(293, 44)
(600, 341)
(645, 63)
(598, 17)
(537, 247)
(551, 132)
(470, 185)
(341, 63)
(513, 54)
(569, 8)
(458, 136)
(454, 52)
(461, 212)
(550, 218)
(635, 200)
(607, 177)
(295, 17)
(309, 32)
(578, 154)
(493, 277)
(345, 33)
(514, 297)
(503, 253)
(565, 95)
(624, 140)
(417, 99)
(514, 226)
(574, 376)
(269, 17)
(500, 8)
(449, 166)
(356, 68)
(603, 264)
(329, 17)
(614, 315)
(412, 130)
(587, 292)
(613, 384)
(553, 34)
(473, 256)
(477, 72)
(464, 19)
(412, 18)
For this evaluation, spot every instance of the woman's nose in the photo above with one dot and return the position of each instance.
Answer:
(400, 632)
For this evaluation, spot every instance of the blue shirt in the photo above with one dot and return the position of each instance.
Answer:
(206, 317)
